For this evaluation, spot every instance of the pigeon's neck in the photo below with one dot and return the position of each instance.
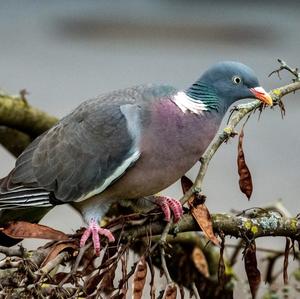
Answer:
(187, 104)
(202, 94)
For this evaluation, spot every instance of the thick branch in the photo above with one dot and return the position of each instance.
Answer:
(243, 226)
(13, 140)
(16, 113)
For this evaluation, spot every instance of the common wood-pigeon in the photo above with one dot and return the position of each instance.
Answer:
(125, 145)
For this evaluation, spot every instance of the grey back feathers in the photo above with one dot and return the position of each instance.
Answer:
(83, 154)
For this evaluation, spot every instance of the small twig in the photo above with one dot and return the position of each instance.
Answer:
(267, 250)
(8, 263)
(195, 290)
(164, 265)
(165, 232)
(76, 264)
(53, 263)
(238, 247)
(285, 66)
(11, 251)
(162, 243)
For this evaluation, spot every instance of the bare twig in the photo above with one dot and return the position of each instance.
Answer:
(54, 263)
(76, 264)
(285, 66)
(13, 251)
(195, 290)
(164, 265)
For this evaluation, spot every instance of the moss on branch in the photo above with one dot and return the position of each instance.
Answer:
(16, 113)
(242, 226)
(13, 140)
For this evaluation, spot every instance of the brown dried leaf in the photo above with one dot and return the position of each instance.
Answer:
(200, 211)
(170, 291)
(286, 261)
(252, 271)
(203, 218)
(200, 261)
(56, 249)
(22, 229)
(139, 279)
(186, 184)
(107, 283)
(245, 180)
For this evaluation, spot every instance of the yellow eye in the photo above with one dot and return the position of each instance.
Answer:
(236, 80)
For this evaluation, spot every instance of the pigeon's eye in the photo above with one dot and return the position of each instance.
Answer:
(236, 80)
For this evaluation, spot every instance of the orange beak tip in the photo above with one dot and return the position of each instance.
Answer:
(262, 95)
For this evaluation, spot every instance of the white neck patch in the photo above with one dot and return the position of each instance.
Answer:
(186, 103)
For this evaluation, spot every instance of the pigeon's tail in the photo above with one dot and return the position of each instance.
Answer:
(18, 196)
(24, 197)
(17, 205)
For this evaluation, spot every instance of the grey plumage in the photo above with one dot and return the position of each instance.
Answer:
(66, 163)
(124, 145)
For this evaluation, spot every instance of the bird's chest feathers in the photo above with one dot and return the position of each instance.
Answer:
(174, 133)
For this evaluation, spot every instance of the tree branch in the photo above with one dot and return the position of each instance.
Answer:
(16, 113)
(13, 140)
(243, 226)
(242, 111)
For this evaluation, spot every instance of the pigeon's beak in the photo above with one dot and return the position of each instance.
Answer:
(262, 95)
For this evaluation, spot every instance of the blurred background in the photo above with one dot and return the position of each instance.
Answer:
(64, 52)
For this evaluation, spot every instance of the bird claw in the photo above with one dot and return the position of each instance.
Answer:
(168, 204)
(95, 230)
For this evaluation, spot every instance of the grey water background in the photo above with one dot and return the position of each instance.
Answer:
(64, 52)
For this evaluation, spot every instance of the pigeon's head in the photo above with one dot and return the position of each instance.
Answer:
(229, 81)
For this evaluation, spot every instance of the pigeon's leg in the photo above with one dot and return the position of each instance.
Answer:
(95, 230)
(168, 204)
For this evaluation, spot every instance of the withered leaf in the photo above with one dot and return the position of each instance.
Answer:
(203, 218)
(56, 249)
(186, 184)
(200, 212)
(22, 229)
(139, 279)
(107, 283)
(170, 291)
(200, 261)
(252, 271)
(286, 261)
(245, 180)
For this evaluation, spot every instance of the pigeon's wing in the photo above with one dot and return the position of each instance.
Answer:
(79, 157)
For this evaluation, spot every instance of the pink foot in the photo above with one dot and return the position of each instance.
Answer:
(168, 204)
(95, 230)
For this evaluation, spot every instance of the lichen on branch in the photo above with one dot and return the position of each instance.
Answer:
(17, 113)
